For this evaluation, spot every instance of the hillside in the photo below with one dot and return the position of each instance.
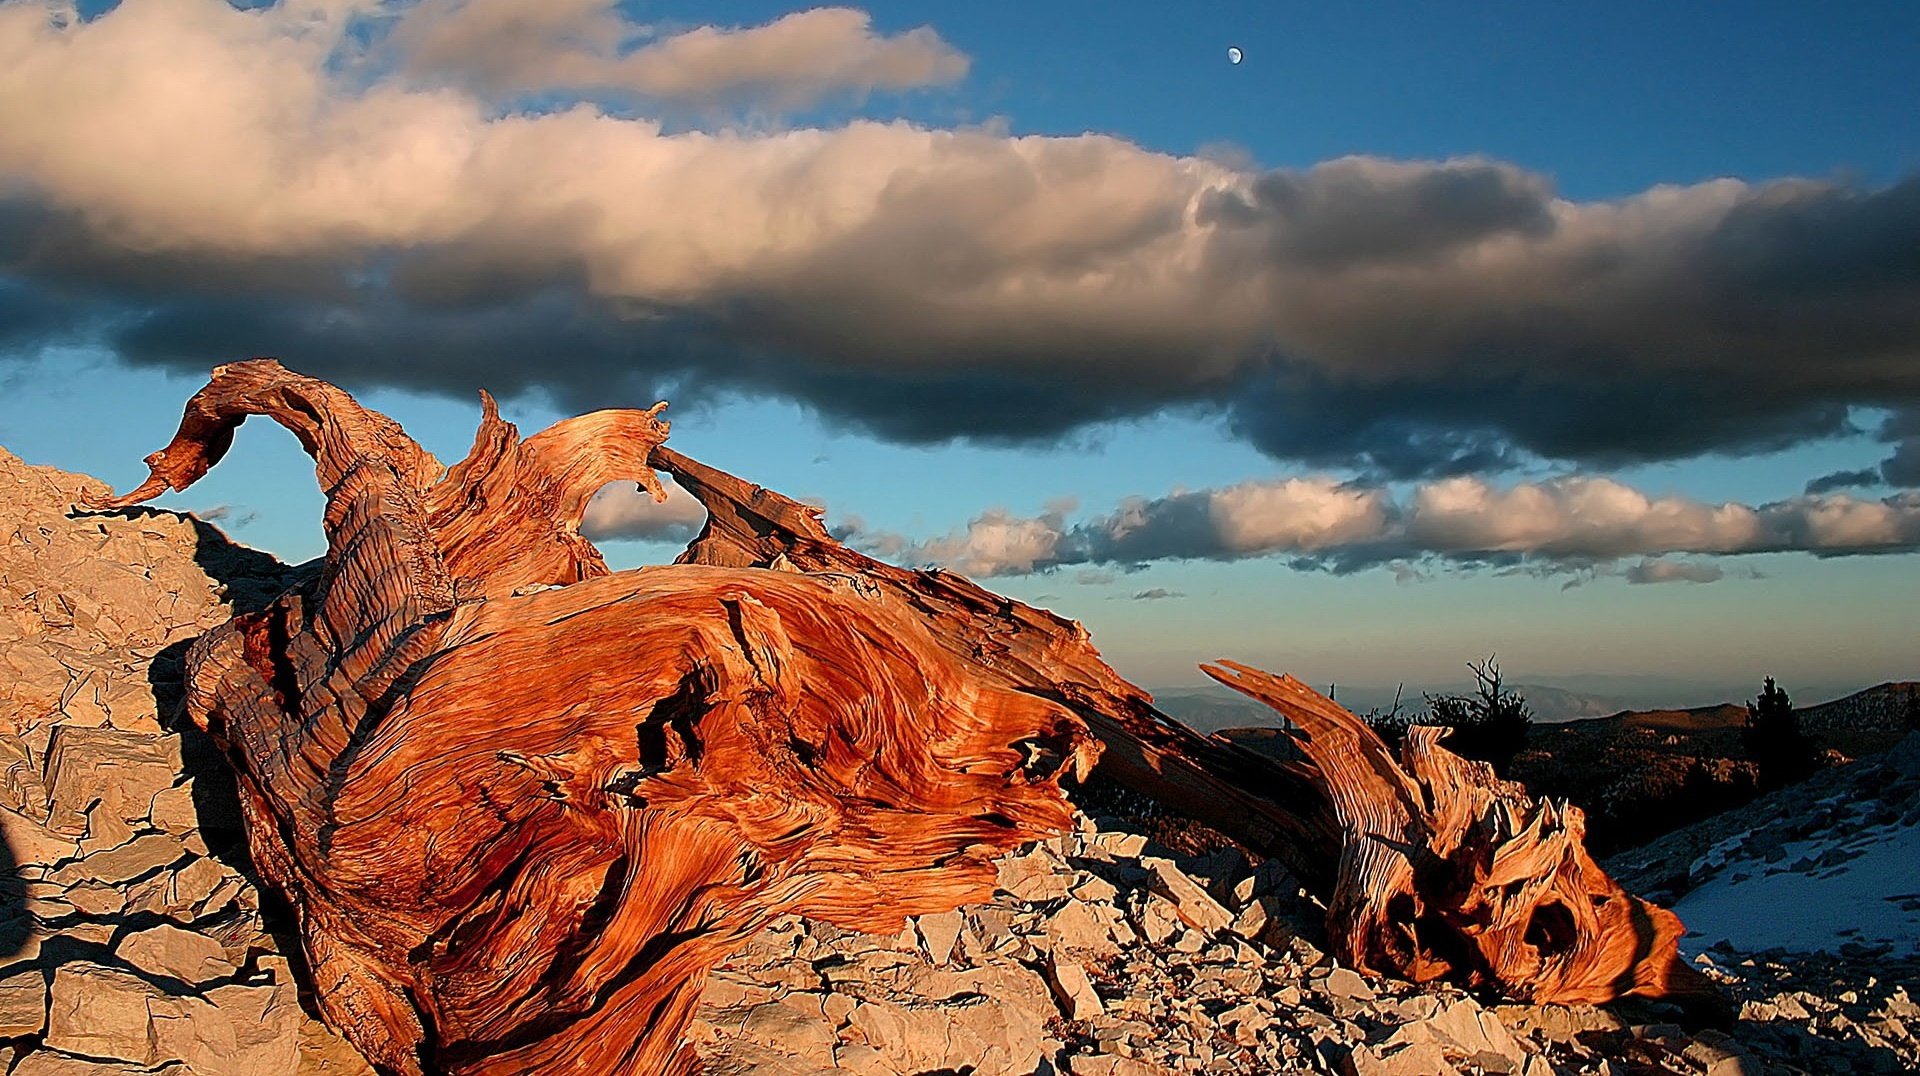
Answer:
(1642, 773)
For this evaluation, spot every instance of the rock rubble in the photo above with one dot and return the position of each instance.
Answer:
(130, 941)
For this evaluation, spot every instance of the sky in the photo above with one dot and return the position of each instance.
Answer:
(1586, 335)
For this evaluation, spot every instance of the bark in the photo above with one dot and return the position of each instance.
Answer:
(521, 804)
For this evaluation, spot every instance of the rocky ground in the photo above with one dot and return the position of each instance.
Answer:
(131, 940)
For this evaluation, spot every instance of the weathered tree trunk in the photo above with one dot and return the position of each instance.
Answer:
(1448, 871)
(522, 804)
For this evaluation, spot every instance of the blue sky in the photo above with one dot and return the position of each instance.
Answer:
(1375, 337)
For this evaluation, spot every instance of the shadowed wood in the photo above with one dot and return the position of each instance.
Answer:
(521, 804)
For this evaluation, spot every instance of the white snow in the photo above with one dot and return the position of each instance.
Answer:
(1853, 883)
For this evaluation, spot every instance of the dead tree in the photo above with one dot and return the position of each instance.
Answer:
(521, 804)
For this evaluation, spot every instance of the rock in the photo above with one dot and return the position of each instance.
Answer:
(102, 781)
(1196, 907)
(1035, 876)
(1474, 1031)
(1347, 983)
(1078, 1000)
(52, 1063)
(101, 1012)
(123, 863)
(181, 954)
(1721, 1059)
(1109, 1065)
(23, 1003)
(1405, 1059)
(1076, 928)
(33, 844)
(937, 933)
(239, 1028)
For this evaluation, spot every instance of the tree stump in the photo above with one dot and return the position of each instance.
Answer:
(521, 804)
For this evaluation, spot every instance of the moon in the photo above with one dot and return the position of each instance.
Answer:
(1234, 55)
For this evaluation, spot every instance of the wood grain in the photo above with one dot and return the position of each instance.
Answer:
(521, 804)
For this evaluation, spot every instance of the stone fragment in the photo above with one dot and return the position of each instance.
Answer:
(101, 780)
(1195, 905)
(23, 1003)
(238, 1028)
(1074, 989)
(124, 863)
(1347, 983)
(1109, 1065)
(937, 934)
(53, 1063)
(1034, 877)
(1473, 1031)
(1074, 927)
(181, 954)
(101, 1012)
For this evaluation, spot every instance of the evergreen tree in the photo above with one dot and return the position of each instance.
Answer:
(1773, 738)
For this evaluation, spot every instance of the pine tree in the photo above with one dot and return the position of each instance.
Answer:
(1773, 738)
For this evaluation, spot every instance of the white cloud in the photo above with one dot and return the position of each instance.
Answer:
(507, 47)
(622, 510)
(1554, 525)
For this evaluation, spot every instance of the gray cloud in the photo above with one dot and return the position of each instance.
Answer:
(1674, 571)
(194, 183)
(1902, 429)
(1154, 594)
(1833, 480)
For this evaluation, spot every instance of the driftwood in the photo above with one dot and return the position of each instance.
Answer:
(521, 804)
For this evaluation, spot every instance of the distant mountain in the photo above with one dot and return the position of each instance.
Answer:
(1207, 711)
(1552, 704)
(1211, 708)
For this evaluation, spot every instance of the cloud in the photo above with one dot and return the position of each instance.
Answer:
(504, 48)
(1572, 524)
(1833, 480)
(1095, 577)
(226, 513)
(1674, 571)
(1902, 429)
(1154, 594)
(621, 510)
(335, 182)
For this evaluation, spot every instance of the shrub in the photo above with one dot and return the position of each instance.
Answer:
(1490, 725)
